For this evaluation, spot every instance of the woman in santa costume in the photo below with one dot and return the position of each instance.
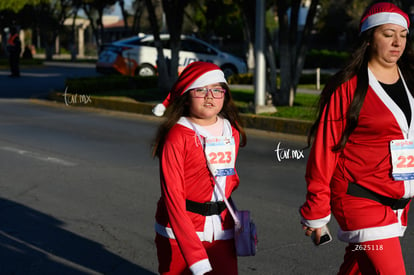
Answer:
(361, 163)
(194, 229)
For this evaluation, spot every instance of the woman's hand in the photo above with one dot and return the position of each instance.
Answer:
(310, 230)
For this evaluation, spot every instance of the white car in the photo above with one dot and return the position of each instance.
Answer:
(138, 56)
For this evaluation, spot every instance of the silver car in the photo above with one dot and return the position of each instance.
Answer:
(138, 56)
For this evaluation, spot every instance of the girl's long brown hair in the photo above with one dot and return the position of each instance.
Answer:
(180, 107)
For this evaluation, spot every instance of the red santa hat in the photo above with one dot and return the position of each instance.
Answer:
(196, 74)
(383, 13)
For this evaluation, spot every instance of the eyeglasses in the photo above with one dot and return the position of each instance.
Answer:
(202, 92)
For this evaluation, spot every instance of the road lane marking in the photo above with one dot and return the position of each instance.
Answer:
(38, 156)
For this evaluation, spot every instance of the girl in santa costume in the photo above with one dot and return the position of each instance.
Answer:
(360, 167)
(194, 229)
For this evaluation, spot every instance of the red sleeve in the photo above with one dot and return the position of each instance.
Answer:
(322, 161)
(173, 192)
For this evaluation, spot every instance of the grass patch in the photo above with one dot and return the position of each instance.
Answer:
(304, 108)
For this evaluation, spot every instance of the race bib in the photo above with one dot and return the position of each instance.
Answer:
(402, 158)
(221, 154)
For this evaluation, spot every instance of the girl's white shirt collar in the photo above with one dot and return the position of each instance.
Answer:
(227, 132)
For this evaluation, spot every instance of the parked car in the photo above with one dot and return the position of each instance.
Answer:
(138, 56)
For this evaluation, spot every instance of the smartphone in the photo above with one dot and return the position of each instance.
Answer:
(325, 236)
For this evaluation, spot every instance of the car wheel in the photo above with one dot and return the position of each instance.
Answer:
(228, 70)
(145, 70)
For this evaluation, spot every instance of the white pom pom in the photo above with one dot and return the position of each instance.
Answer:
(159, 109)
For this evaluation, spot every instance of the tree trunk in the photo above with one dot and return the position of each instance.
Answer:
(73, 44)
(92, 24)
(174, 15)
(124, 14)
(249, 7)
(101, 28)
(271, 85)
(139, 8)
(293, 47)
(49, 50)
(285, 55)
(303, 46)
(161, 63)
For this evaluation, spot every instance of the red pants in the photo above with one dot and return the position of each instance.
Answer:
(374, 257)
(221, 254)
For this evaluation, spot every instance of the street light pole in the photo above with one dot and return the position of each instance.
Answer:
(260, 66)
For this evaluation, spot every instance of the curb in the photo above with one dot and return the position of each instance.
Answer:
(272, 124)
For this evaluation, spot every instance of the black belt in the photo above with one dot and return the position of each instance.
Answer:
(207, 208)
(359, 191)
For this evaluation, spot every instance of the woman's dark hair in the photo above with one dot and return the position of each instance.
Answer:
(357, 66)
(181, 107)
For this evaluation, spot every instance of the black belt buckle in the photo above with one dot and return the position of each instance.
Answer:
(206, 208)
(211, 208)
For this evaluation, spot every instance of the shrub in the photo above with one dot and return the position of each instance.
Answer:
(240, 79)
(310, 78)
(325, 59)
(305, 78)
(94, 85)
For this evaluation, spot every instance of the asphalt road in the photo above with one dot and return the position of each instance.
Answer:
(79, 190)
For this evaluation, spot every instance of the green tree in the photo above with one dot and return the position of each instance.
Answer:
(138, 11)
(94, 10)
(124, 13)
(9, 15)
(163, 74)
(293, 44)
(248, 9)
(48, 18)
(174, 17)
(17, 5)
(204, 15)
(339, 36)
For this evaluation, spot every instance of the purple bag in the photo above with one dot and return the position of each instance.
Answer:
(245, 235)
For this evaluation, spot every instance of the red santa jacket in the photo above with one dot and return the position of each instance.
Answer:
(185, 175)
(365, 160)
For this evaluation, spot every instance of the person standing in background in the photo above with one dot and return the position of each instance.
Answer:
(14, 48)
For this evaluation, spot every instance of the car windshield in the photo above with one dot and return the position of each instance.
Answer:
(151, 43)
(194, 46)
